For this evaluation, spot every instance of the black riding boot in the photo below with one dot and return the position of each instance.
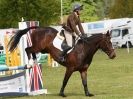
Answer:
(63, 54)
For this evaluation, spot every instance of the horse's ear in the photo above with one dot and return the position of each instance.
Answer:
(108, 33)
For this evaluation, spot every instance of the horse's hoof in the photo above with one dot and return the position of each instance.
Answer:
(61, 94)
(90, 95)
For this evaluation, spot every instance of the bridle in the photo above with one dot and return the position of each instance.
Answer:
(111, 51)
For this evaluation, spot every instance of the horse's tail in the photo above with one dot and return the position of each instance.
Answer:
(16, 38)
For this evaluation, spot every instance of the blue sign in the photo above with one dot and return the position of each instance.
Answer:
(95, 25)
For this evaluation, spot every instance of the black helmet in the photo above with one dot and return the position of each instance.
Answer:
(77, 6)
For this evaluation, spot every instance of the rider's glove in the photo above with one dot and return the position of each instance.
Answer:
(83, 36)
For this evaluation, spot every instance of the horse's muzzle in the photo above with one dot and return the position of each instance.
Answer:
(112, 55)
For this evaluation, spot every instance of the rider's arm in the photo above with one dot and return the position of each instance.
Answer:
(73, 25)
(80, 27)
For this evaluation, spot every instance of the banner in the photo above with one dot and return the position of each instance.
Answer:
(13, 85)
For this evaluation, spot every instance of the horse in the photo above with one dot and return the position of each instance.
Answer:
(79, 59)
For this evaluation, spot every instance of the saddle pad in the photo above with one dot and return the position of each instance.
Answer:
(58, 41)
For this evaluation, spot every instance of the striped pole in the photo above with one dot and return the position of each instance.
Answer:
(7, 68)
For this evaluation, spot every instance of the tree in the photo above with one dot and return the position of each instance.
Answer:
(45, 11)
(89, 12)
(7, 14)
(102, 8)
(121, 8)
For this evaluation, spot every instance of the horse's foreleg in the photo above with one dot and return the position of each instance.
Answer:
(84, 82)
(66, 78)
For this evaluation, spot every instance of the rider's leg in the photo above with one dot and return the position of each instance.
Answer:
(68, 37)
(68, 46)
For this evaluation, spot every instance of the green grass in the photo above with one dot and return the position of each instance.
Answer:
(107, 79)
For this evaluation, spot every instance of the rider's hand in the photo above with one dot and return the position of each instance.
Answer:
(83, 36)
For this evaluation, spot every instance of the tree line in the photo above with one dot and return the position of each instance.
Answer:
(47, 12)
(44, 11)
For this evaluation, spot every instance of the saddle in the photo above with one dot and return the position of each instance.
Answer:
(60, 41)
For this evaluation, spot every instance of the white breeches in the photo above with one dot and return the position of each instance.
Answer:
(69, 38)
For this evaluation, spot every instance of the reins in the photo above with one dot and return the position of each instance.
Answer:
(83, 39)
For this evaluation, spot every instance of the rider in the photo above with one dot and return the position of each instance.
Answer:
(70, 28)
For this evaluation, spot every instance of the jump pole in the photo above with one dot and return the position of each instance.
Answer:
(7, 68)
(22, 83)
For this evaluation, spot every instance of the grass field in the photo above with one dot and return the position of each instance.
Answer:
(107, 79)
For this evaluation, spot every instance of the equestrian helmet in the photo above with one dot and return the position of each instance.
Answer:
(77, 7)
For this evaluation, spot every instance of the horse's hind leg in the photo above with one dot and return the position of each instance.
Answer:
(29, 51)
(34, 56)
(66, 78)
(84, 82)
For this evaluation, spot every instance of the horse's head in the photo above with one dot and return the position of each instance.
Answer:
(106, 45)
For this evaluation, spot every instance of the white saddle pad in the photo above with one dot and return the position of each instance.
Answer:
(58, 41)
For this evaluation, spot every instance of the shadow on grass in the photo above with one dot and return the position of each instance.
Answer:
(10, 97)
(67, 94)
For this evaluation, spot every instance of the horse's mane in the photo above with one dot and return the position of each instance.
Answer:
(92, 37)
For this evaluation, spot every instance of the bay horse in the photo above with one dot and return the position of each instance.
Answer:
(79, 59)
